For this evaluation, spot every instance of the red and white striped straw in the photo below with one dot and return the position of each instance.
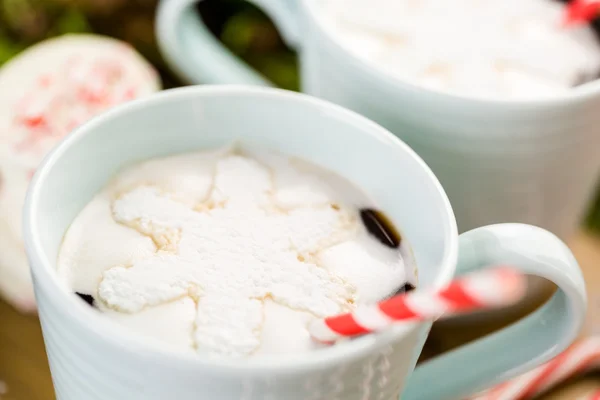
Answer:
(581, 357)
(486, 289)
(581, 12)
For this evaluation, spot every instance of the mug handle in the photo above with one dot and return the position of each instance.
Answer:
(192, 51)
(527, 343)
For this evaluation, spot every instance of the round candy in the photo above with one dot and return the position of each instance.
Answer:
(46, 92)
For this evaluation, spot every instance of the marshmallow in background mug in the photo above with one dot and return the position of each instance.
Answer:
(45, 92)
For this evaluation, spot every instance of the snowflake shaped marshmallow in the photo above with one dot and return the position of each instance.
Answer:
(229, 253)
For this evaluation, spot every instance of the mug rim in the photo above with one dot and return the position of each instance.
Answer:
(576, 93)
(47, 279)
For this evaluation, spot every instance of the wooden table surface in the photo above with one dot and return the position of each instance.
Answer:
(24, 373)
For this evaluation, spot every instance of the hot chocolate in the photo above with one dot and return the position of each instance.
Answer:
(231, 252)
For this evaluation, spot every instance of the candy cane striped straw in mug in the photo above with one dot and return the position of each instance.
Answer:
(581, 12)
(490, 288)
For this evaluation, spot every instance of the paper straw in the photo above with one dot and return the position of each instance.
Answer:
(581, 12)
(487, 289)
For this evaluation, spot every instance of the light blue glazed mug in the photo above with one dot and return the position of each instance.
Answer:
(92, 358)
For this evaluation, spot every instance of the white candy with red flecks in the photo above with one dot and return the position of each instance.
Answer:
(45, 92)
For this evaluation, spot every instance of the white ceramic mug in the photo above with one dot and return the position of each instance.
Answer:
(534, 162)
(91, 358)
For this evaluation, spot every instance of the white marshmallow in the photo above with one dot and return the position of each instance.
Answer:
(264, 245)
